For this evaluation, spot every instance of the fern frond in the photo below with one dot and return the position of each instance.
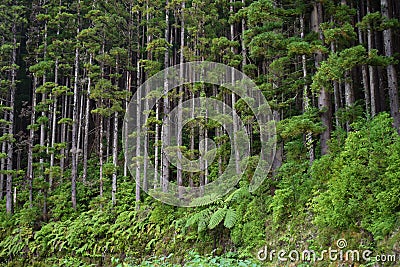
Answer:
(230, 218)
(217, 217)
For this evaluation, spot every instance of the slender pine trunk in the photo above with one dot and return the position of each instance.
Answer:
(306, 99)
(10, 146)
(74, 148)
(166, 109)
(180, 101)
(86, 131)
(115, 160)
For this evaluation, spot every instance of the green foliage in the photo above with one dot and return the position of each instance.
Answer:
(293, 192)
(350, 113)
(195, 260)
(294, 126)
(230, 218)
(217, 217)
(361, 184)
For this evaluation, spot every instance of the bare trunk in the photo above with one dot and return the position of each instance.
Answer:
(31, 142)
(115, 160)
(79, 137)
(306, 99)
(372, 74)
(201, 155)
(336, 92)
(324, 101)
(205, 149)
(10, 147)
(87, 114)
(165, 130)
(181, 93)
(349, 95)
(235, 122)
(244, 51)
(128, 89)
(348, 86)
(108, 130)
(156, 146)
(145, 150)
(3, 162)
(138, 132)
(53, 126)
(74, 152)
(192, 134)
(101, 153)
(146, 135)
(364, 71)
(44, 96)
(278, 159)
(391, 70)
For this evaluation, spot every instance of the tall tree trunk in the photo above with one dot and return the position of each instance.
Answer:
(156, 147)
(243, 43)
(180, 101)
(10, 147)
(87, 114)
(145, 150)
(306, 99)
(79, 137)
(64, 129)
(3, 160)
(372, 69)
(115, 160)
(202, 150)
(74, 152)
(391, 70)
(43, 134)
(138, 133)
(128, 89)
(336, 92)
(44, 96)
(205, 148)
(146, 107)
(235, 122)
(31, 142)
(349, 95)
(348, 86)
(165, 130)
(53, 126)
(324, 98)
(101, 152)
(107, 132)
(115, 146)
(364, 71)
(278, 159)
(192, 135)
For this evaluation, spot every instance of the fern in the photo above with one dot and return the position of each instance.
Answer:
(230, 218)
(217, 217)
(238, 195)
(200, 218)
(205, 200)
(192, 220)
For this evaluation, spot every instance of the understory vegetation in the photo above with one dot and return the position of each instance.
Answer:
(350, 193)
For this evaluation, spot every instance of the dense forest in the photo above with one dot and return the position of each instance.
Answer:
(73, 192)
